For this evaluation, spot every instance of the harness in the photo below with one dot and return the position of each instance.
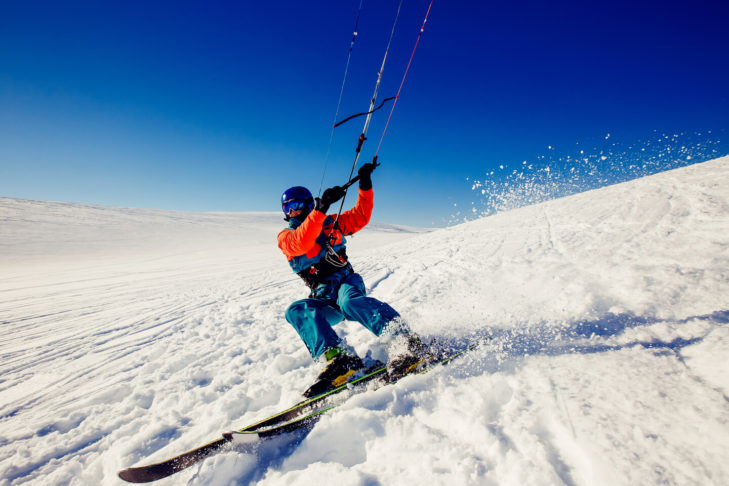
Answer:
(332, 263)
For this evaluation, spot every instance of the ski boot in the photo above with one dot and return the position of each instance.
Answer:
(340, 368)
(407, 354)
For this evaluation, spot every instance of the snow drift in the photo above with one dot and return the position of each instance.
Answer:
(129, 336)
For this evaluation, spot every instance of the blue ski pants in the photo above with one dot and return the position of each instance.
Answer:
(313, 318)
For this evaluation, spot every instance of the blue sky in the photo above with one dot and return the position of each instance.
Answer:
(219, 106)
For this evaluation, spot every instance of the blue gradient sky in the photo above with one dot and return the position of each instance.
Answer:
(219, 106)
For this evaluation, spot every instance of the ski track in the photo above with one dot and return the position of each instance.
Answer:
(607, 365)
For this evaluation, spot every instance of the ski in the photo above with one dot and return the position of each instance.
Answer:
(166, 468)
(298, 417)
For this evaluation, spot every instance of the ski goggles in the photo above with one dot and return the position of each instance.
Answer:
(293, 207)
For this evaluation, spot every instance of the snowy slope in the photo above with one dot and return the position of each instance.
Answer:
(129, 336)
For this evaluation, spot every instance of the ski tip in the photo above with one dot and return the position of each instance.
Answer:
(146, 474)
(135, 475)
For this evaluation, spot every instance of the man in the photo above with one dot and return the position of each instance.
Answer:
(314, 244)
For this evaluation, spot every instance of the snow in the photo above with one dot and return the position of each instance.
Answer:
(132, 335)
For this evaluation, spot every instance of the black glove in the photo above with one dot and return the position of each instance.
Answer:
(365, 175)
(330, 196)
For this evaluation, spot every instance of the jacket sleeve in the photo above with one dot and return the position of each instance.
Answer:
(299, 241)
(357, 218)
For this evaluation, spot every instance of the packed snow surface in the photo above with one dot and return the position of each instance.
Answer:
(129, 336)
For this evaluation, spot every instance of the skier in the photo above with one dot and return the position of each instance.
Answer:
(314, 244)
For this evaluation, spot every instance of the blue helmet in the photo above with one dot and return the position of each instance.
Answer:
(296, 202)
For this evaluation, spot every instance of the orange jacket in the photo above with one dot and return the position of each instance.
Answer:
(301, 240)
